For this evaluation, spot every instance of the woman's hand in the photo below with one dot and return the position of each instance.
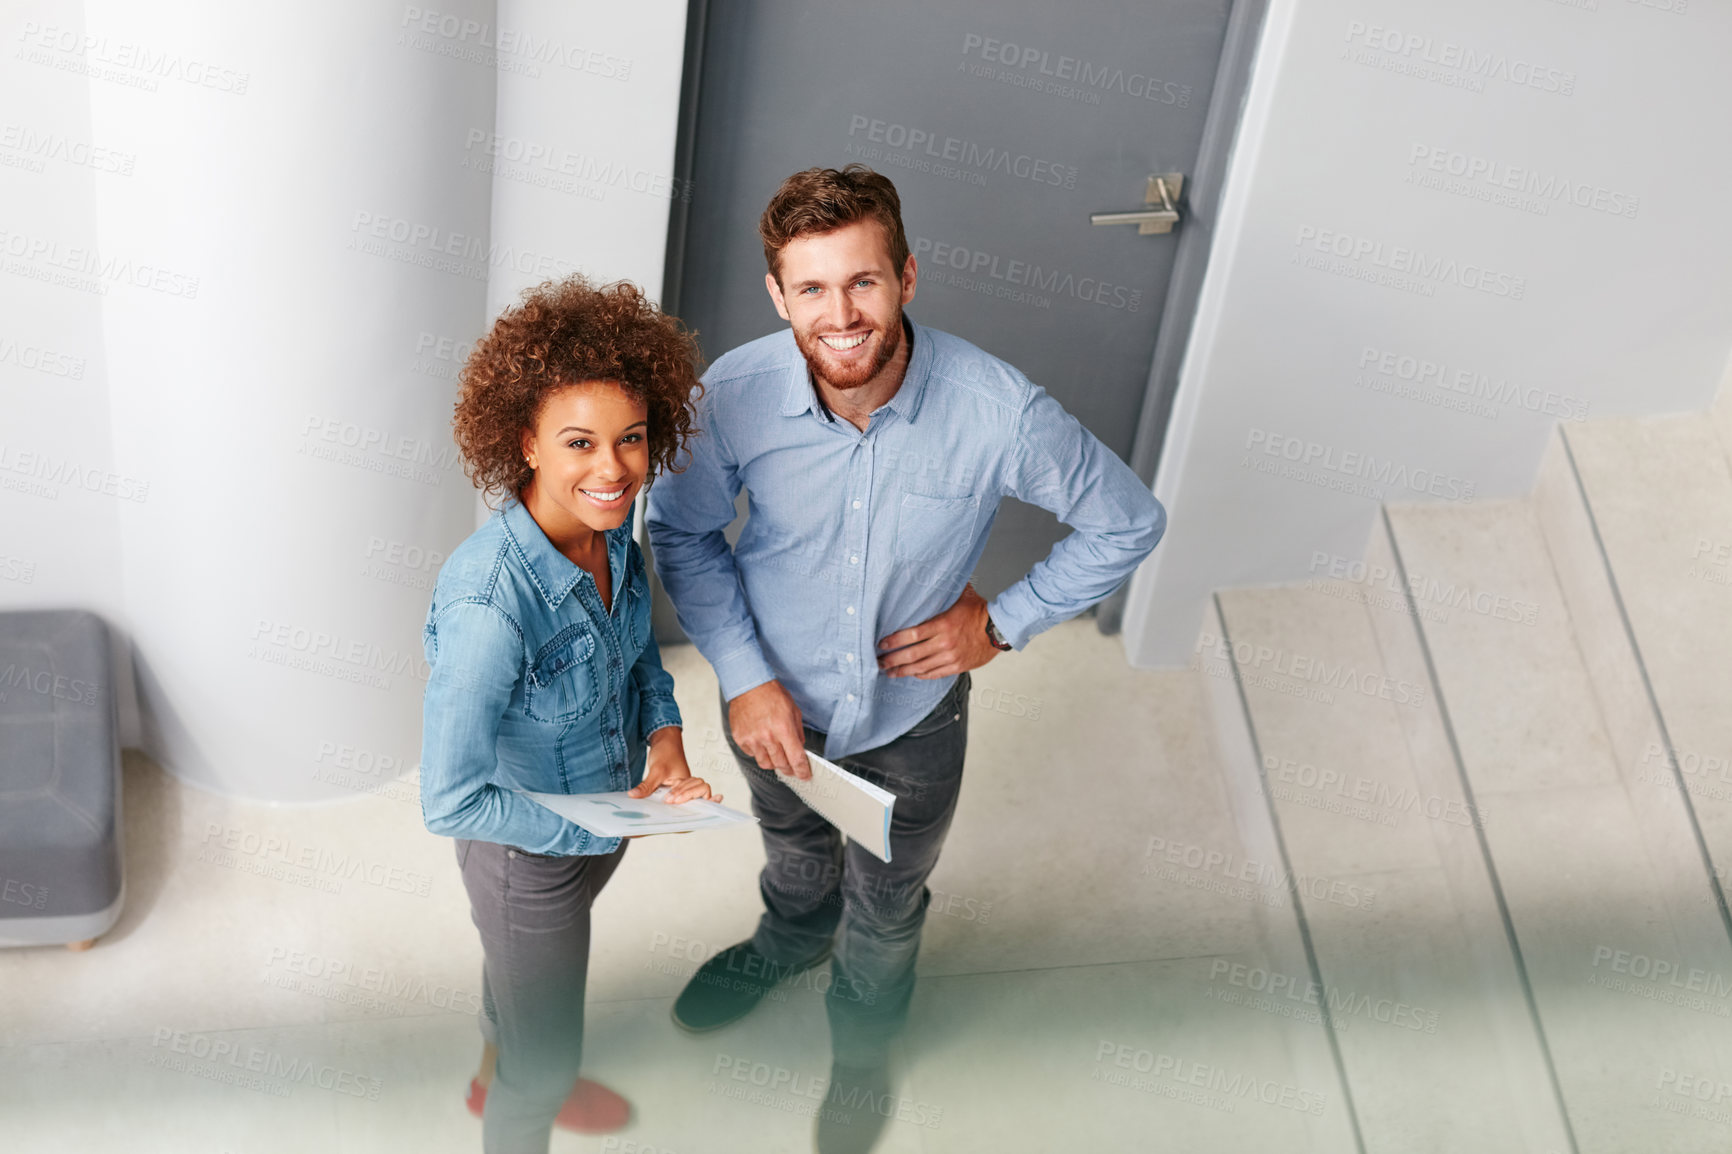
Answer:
(666, 765)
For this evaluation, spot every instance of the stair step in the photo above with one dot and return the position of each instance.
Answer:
(1660, 491)
(1435, 1036)
(1626, 954)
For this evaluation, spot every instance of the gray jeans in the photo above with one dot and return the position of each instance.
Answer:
(821, 891)
(533, 914)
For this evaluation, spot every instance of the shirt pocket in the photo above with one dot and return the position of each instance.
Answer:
(562, 682)
(935, 533)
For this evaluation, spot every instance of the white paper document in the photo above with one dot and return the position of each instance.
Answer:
(852, 804)
(621, 815)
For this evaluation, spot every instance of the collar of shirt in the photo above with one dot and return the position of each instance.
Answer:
(802, 395)
(555, 574)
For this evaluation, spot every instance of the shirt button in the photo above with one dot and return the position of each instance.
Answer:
(854, 559)
(850, 657)
(856, 504)
(850, 697)
(850, 611)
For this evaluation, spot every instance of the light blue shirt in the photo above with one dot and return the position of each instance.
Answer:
(853, 535)
(535, 686)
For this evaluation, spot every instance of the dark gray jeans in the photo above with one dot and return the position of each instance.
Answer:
(820, 890)
(533, 914)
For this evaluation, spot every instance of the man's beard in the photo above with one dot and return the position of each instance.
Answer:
(852, 376)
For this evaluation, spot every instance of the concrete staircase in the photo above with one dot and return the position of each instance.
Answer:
(1493, 759)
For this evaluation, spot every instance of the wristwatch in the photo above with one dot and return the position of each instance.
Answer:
(995, 637)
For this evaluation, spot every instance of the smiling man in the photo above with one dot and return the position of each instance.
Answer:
(874, 453)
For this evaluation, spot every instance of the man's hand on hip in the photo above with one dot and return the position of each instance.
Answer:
(766, 724)
(955, 641)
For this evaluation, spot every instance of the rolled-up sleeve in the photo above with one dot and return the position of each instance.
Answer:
(1062, 467)
(687, 514)
(477, 656)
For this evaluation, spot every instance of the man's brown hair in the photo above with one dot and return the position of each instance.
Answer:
(820, 200)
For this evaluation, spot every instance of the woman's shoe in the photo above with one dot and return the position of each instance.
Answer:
(591, 1108)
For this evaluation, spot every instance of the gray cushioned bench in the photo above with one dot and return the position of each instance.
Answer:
(60, 852)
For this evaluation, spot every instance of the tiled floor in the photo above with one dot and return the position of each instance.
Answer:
(1071, 993)
(1429, 861)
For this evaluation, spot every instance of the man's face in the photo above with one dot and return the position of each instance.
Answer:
(843, 297)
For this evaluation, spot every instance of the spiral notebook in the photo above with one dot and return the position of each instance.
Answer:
(852, 804)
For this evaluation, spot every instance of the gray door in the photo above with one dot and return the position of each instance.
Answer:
(1004, 126)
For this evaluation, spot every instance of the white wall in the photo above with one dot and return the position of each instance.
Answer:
(595, 142)
(582, 156)
(160, 443)
(1612, 298)
(61, 499)
(267, 273)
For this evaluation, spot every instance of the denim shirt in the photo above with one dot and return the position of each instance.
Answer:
(856, 534)
(535, 686)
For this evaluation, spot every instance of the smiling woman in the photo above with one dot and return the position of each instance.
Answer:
(545, 676)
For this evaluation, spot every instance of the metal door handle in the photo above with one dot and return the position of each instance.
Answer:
(1163, 211)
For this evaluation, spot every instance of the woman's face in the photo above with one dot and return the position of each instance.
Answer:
(590, 453)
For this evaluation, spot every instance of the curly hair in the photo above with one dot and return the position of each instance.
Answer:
(566, 333)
